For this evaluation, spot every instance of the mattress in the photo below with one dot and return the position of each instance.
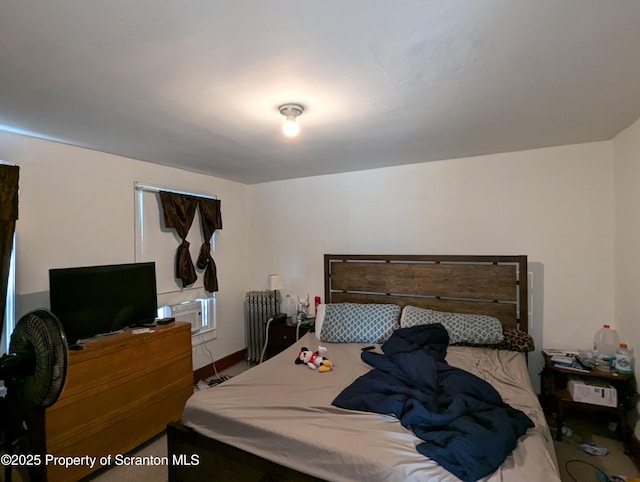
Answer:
(282, 412)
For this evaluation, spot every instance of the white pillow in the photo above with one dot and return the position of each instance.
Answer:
(320, 310)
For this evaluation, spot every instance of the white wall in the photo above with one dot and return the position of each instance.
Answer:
(556, 205)
(553, 205)
(627, 248)
(76, 208)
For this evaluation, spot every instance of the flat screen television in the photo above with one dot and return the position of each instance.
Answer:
(94, 300)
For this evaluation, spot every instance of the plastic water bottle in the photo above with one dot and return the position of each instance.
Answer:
(606, 341)
(624, 359)
(289, 306)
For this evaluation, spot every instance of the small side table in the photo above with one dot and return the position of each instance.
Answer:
(555, 393)
(283, 335)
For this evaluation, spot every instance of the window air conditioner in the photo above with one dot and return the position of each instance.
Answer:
(189, 311)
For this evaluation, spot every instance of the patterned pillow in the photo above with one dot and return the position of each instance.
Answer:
(462, 327)
(358, 323)
(514, 340)
(469, 328)
(414, 316)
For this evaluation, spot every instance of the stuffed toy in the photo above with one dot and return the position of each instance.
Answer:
(314, 359)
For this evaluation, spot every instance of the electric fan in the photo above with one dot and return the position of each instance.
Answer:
(34, 372)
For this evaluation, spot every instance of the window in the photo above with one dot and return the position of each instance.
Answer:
(153, 242)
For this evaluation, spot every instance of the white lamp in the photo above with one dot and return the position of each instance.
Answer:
(291, 111)
(275, 284)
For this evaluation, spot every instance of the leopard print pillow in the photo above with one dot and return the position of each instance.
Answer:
(516, 340)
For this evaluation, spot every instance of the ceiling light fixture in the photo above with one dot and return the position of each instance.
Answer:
(291, 111)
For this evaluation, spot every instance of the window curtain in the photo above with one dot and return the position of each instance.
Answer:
(8, 215)
(211, 220)
(179, 211)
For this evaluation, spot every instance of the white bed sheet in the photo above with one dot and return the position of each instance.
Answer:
(282, 412)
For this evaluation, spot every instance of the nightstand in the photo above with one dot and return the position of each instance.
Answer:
(282, 336)
(556, 396)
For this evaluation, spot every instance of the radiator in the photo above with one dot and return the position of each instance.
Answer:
(259, 307)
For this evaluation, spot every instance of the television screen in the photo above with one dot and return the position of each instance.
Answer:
(95, 300)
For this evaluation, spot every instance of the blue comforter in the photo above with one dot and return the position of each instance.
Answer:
(463, 422)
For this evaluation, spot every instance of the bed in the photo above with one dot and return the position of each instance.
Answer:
(276, 421)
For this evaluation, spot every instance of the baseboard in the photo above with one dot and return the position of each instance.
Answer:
(222, 364)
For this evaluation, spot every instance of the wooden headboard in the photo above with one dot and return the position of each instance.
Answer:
(488, 285)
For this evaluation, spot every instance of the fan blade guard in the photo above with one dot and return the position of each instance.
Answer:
(40, 333)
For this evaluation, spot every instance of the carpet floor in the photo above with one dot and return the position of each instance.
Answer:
(577, 465)
(156, 447)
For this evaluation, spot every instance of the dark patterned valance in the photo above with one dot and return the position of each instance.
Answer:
(211, 220)
(179, 212)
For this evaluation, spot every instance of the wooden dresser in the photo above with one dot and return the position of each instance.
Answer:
(121, 390)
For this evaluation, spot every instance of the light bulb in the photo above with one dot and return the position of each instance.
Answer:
(291, 127)
(291, 111)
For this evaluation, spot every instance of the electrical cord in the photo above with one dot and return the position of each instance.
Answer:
(601, 475)
(205, 348)
(266, 341)
(266, 337)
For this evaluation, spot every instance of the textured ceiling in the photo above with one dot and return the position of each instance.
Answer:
(197, 83)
